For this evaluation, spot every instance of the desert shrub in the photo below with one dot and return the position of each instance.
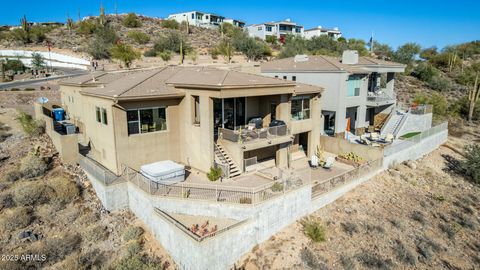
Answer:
(16, 218)
(373, 261)
(29, 125)
(33, 166)
(439, 83)
(347, 262)
(133, 248)
(172, 41)
(193, 55)
(19, 35)
(132, 21)
(463, 220)
(418, 216)
(350, 228)
(95, 233)
(277, 187)
(165, 55)
(31, 193)
(314, 229)
(427, 247)
(214, 174)
(137, 262)
(313, 260)
(125, 53)
(471, 164)
(37, 33)
(65, 190)
(58, 247)
(450, 231)
(374, 228)
(139, 37)
(103, 39)
(245, 200)
(6, 200)
(132, 233)
(403, 254)
(12, 175)
(86, 27)
(150, 53)
(170, 24)
(214, 52)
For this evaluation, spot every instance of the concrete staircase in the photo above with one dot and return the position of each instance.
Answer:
(222, 156)
(394, 123)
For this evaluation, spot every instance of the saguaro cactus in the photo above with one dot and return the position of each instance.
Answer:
(473, 97)
(24, 23)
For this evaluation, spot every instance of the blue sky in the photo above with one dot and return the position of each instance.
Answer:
(394, 22)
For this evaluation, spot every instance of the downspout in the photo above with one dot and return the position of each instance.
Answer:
(115, 102)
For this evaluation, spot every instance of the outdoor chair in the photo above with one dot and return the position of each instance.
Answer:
(314, 162)
(329, 163)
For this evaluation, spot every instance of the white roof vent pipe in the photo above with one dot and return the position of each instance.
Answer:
(350, 57)
(300, 58)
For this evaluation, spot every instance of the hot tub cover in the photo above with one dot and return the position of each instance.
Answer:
(162, 170)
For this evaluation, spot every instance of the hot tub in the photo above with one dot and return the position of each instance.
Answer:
(164, 172)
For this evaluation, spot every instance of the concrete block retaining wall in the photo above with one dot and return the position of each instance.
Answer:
(416, 150)
(113, 197)
(222, 251)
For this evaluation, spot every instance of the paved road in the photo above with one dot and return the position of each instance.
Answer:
(17, 84)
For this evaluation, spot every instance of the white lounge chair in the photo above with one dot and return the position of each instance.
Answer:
(314, 161)
(329, 163)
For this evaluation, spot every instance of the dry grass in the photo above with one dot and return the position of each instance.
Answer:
(16, 218)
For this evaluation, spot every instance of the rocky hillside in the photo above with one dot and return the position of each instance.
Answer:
(63, 38)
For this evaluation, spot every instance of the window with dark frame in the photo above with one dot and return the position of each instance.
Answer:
(146, 120)
(196, 110)
(284, 77)
(98, 114)
(104, 116)
(294, 78)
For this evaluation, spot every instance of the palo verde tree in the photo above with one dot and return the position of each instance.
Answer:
(38, 62)
(124, 53)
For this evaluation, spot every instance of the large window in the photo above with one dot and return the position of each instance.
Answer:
(146, 120)
(354, 84)
(268, 28)
(301, 107)
(98, 114)
(104, 116)
(196, 110)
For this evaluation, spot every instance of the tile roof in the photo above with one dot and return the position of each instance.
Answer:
(324, 63)
(168, 81)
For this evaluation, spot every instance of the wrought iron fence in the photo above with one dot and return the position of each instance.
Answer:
(395, 148)
(98, 171)
(217, 193)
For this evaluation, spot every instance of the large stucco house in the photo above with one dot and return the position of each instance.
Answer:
(184, 114)
(279, 29)
(357, 89)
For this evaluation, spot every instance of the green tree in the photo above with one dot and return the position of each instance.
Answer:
(428, 53)
(170, 24)
(406, 53)
(132, 21)
(358, 45)
(171, 42)
(293, 45)
(37, 34)
(38, 62)
(86, 27)
(124, 53)
(471, 164)
(271, 39)
(226, 49)
(14, 65)
(382, 50)
(18, 34)
(139, 37)
(102, 41)
(251, 48)
(166, 55)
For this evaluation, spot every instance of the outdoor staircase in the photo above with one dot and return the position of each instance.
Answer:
(222, 155)
(393, 124)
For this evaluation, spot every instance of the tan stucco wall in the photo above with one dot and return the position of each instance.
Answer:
(341, 146)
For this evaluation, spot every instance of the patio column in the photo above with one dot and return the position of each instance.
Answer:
(390, 83)
(317, 125)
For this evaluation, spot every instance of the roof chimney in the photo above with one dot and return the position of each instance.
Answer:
(350, 57)
(300, 58)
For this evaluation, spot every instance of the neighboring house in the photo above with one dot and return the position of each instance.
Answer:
(334, 33)
(277, 29)
(183, 114)
(197, 18)
(234, 22)
(358, 90)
